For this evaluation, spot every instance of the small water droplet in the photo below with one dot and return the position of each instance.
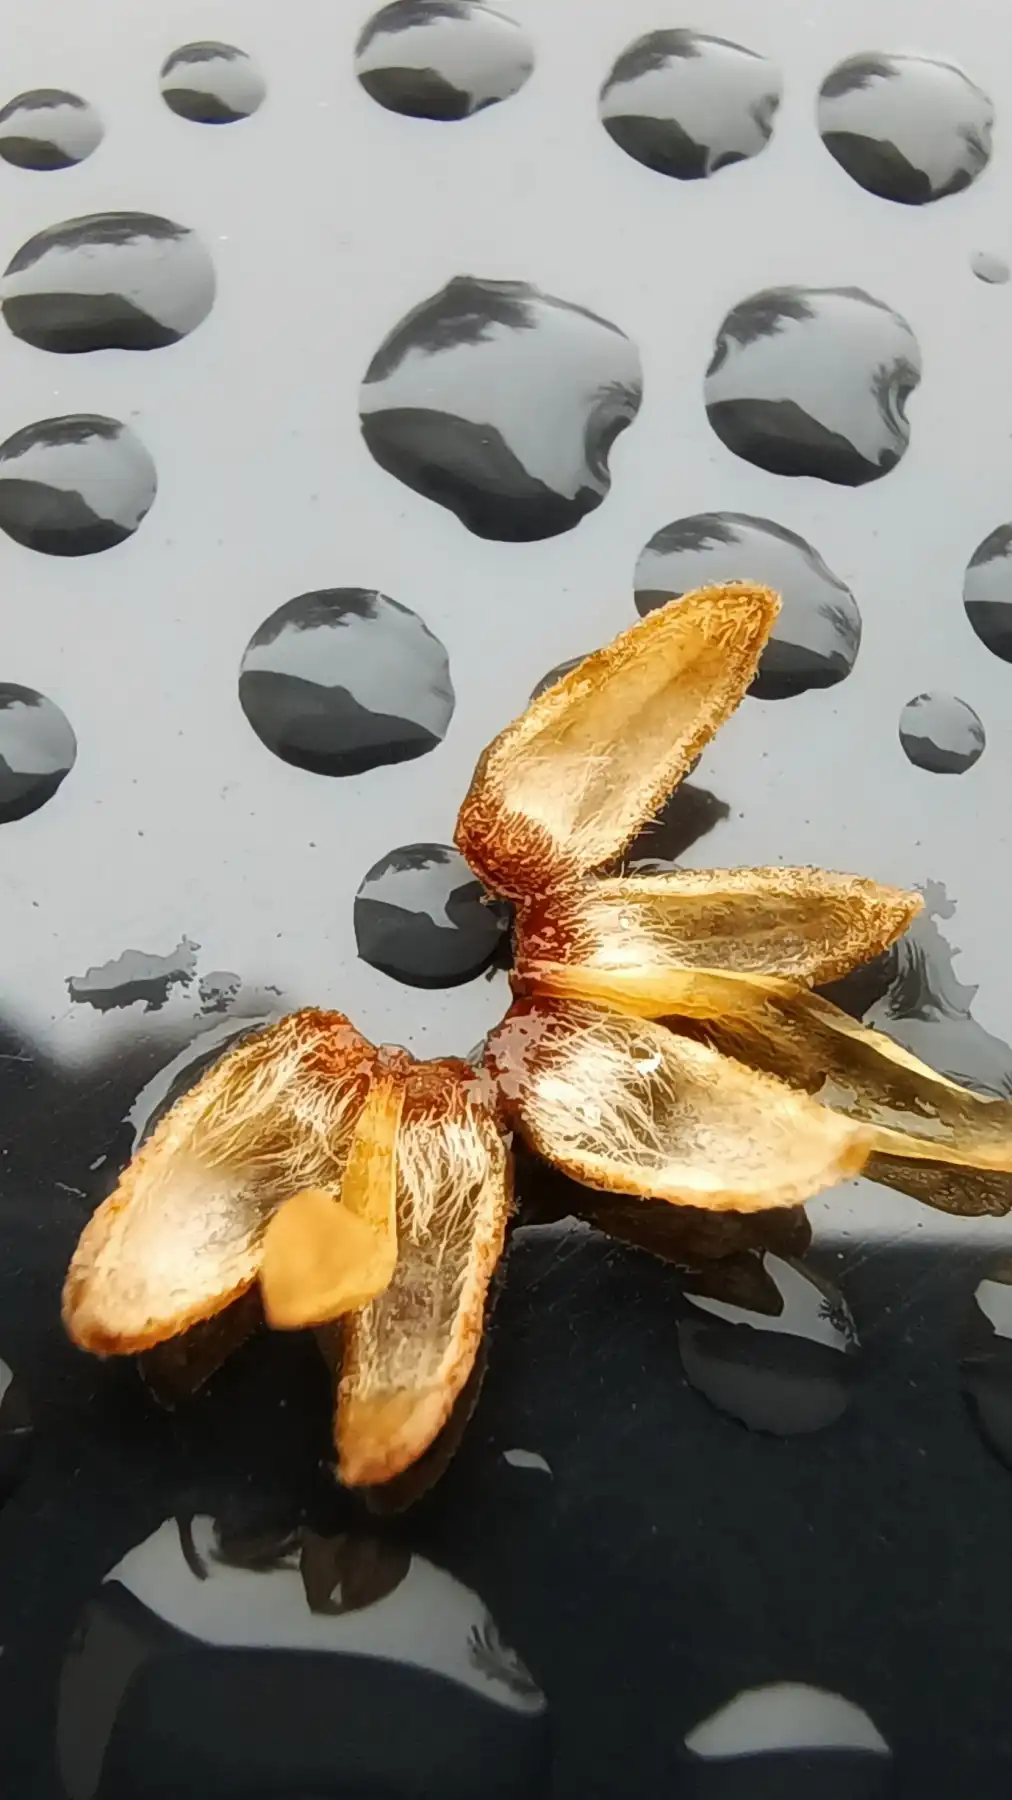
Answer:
(37, 750)
(686, 104)
(987, 591)
(502, 403)
(527, 1459)
(74, 485)
(48, 128)
(344, 680)
(907, 128)
(990, 268)
(941, 734)
(787, 1738)
(15, 1432)
(817, 635)
(442, 59)
(770, 1343)
(212, 84)
(814, 381)
(109, 281)
(422, 917)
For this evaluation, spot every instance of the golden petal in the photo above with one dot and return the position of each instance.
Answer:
(327, 1253)
(627, 1105)
(652, 991)
(800, 925)
(409, 1353)
(567, 785)
(181, 1235)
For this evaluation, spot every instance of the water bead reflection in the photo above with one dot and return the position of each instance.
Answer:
(941, 734)
(442, 59)
(37, 750)
(423, 918)
(814, 381)
(985, 1366)
(502, 403)
(686, 104)
(907, 128)
(987, 267)
(818, 634)
(74, 485)
(789, 1740)
(108, 281)
(211, 84)
(987, 591)
(342, 680)
(47, 128)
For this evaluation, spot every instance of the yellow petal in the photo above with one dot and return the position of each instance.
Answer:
(651, 991)
(409, 1353)
(324, 1254)
(646, 932)
(565, 787)
(626, 1105)
(181, 1235)
(911, 1112)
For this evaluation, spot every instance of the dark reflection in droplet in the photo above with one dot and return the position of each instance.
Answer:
(37, 750)
(442, 59)
(690, 813)
(47, 128)
(787, 1741)
(74, 485)
(502, 403)
(987, 591)
(986, 1360)
(135, 975)
(907, 128)
(110, 281)
(15, 1432)
(556, 674)
(814, 381)
(818, 634)
(990, 268)
(343, 679)
(422, 917)
(212, 84)
(770, 1343)
(941, 734)
(687, 104)
(240, 1656)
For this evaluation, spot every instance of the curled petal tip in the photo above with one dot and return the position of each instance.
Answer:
(381, 1436)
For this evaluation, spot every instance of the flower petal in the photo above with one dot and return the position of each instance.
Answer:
(180, 1237)
(802, 925)
(627, 1105)
(651, 991)
(409, 1353)
(948, 1187)
(564, 788)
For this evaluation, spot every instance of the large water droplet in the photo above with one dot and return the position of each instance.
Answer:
(343, 680)
(687, 104)
(817, 636)
(987, 591)
(37, 750)
(442, 59)
(941, 734)
(906, 128)
(110, 281)
(502, 403)
(74, 485)
(986, 1360)
(212, 84)
(770, 1343)
(48, 128)
(814, 381)
(15, 1432)
(422, 917)
(787, 1740)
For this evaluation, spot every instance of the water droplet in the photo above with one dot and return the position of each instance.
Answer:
(941, 734)
(502, 404)
(74, 485)
(556, 674)
(990, 268)
(136, 975)
(814, 381)
(48, 128)
(37, 750)
(770, 1343)
(987, 591)
(906, 128)
(788, 1739)
(110, 281)
(818, 634)
(527, 1459)
(218, 990)
(686, 104)
(422, 917)
(316, 1641)
(986, 1360)
(212, 84)
(442, 59)
(15, 1432)
(343, 680)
